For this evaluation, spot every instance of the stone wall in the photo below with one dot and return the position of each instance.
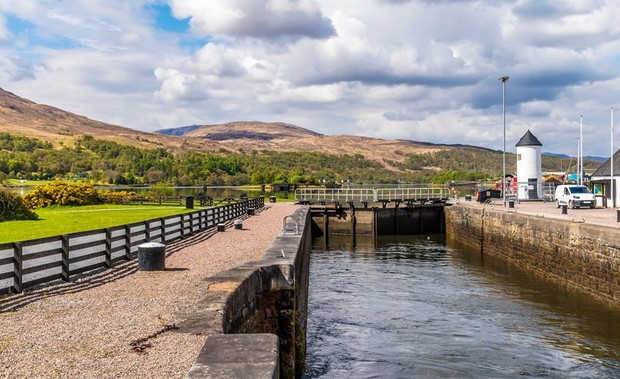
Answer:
(266, 296)
(581, 256)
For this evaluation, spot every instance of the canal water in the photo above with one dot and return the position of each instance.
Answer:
(413, 307)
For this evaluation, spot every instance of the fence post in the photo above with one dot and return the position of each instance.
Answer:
(147, 231)
(108, 247)
(182, 226)
(127, 242)
(65, 257)
(17, 266)
(162, 223)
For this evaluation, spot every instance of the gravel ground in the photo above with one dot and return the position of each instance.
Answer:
(116, 324)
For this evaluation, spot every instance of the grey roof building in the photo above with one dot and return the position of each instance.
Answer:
(605, 168)
(529, 139)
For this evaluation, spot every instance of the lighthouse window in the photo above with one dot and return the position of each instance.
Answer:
(518, 157)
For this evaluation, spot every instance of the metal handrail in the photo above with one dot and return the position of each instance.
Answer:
(371, 194)
(284, 225)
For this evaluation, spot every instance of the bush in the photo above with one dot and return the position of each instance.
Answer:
(12, 207)
(121, 197)
(59, 192)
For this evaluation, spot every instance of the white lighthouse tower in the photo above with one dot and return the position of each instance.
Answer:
(529, 168)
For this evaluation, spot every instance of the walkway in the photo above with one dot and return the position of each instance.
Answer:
(119, 323)
(597, 216)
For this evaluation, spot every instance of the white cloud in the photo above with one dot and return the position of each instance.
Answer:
(258, 19)
(425, 70)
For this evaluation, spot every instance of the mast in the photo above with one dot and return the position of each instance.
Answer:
(611, 182)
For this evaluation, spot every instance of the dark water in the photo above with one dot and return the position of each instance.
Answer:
(415, 308)
(216, 192)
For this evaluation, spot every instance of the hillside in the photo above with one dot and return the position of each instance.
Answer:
(20, 116)
(280, 137)
(24, 117)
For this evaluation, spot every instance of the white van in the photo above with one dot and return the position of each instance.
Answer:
(574, 196)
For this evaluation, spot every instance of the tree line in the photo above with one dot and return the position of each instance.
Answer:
(108, 162)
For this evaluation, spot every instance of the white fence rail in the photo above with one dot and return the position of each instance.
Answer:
(371, 194)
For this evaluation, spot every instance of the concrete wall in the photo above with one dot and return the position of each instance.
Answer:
(266, 296)
(578, 255)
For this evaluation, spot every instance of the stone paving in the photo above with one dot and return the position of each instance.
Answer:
(597, 216)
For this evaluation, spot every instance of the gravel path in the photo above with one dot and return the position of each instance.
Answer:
(116, 324)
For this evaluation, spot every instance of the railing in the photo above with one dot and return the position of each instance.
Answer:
(28, 263)
(371, 194)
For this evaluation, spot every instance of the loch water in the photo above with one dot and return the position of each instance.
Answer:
(415, 307)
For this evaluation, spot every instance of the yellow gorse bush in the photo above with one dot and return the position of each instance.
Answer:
(60, 192)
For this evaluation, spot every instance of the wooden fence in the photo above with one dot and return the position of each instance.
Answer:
(28, 263)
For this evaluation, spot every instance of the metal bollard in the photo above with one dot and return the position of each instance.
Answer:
(511, 204)
(221, 227)
(564, 209)
(151, 256)
(238, 224)
(618, 215)
(272, 199)
(250, 211)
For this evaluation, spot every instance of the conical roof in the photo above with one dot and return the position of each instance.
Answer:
(528, 139)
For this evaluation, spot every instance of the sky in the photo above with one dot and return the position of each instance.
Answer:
(420, 70)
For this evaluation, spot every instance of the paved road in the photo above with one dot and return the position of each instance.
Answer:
(597, 216)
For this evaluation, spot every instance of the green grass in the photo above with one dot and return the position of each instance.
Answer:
(56, 220)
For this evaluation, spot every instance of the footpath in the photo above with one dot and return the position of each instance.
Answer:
(597, 216)
(118, 323)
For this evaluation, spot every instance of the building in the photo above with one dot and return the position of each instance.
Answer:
(601, 179)
(529, 168)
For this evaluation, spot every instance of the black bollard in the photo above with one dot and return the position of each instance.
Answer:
(511, 204)
(272, 199)
(189, 202)
(151, 256)
(221, 227)
(564, 209)
(618, 215)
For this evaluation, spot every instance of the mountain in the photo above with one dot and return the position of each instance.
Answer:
(278, 136)
(252, 130)
(25, 117)
(180, 131)
(586, 158)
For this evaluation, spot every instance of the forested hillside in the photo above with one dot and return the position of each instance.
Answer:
(102, 161)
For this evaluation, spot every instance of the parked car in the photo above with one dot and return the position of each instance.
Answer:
(574, 196)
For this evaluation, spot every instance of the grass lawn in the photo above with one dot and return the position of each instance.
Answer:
(25, 183)
(57, 220)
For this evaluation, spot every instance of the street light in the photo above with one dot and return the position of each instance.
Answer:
(504, 79)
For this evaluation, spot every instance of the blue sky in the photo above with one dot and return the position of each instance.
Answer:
(419, 69)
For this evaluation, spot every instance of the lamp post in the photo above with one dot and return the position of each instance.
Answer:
(504, 79)
(580, 150)
(611, 161)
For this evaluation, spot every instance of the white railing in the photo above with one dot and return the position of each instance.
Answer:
(371, 194)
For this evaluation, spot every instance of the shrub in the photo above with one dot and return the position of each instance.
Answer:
(62, 193)
(12, 207)
(119, 197)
